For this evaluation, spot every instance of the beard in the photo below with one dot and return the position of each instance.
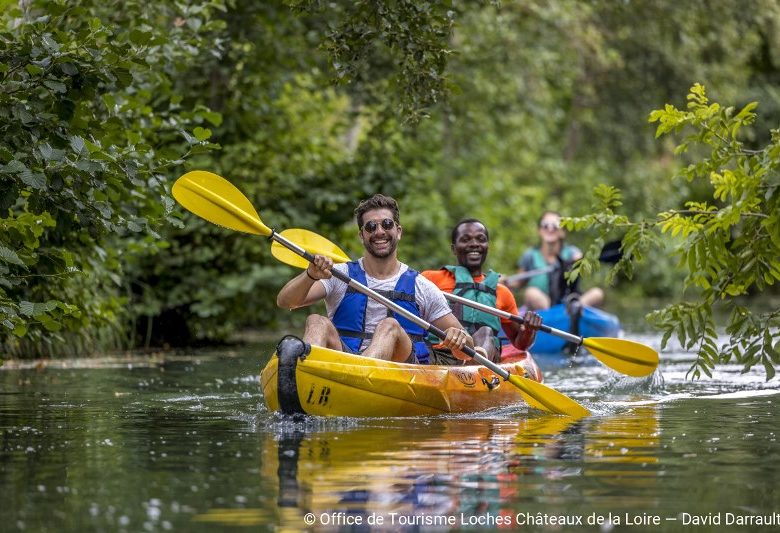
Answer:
(386, 250)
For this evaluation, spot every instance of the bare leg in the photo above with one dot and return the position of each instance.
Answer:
(390, 342)
(535, 299)
(593, 297)
(320, 331)
(484, 337)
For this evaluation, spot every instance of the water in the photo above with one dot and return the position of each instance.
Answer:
(186, 444)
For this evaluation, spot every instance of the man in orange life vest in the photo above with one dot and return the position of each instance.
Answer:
(358, 324)
(470, 242)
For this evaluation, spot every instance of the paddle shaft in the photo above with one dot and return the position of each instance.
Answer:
(610, 253)
(529, 274)
(514, 318)
(255, 222)
(359, 287)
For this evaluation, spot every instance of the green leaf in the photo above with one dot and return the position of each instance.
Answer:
(50, 44)
(9, 256)
(50, 154)
(26, 308)
(19, 330)
(140, 38)
(14, 166)
(69, 69)
(33, 70)
(201, 134)
(34, 180)
(50, 324)
(213, 117)
(77, 143)
(56, 86)
(769, 368)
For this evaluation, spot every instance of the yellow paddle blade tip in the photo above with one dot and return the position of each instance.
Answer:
(540, 396)
(215, 199)
(626, 356)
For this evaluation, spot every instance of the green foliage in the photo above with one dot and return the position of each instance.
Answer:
(303, 152)
(753, 339)
(483, 109)
(90, 124)
(283, 144)
(729, 245)
(397, 51)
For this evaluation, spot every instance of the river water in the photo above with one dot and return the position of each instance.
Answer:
(186, 444)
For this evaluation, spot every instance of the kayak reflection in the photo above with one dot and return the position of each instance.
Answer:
(402, 473)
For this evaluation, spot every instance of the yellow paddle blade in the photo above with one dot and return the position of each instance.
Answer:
(313, 243)
(629, 357)
(215, 199)
(543, 397)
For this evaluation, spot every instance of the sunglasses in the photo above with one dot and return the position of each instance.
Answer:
(550, 226)
(371, 226)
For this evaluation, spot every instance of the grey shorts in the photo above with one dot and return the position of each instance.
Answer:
(441, 356)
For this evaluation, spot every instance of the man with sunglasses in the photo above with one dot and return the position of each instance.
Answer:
(355, 322)
(469, 243)
(551, 288)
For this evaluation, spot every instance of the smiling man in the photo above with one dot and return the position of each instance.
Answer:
(470, 243)
(355, 322)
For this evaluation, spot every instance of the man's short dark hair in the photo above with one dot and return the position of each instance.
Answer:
(467, 221)
(378, 201)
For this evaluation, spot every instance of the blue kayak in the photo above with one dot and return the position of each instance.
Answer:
(591, 322)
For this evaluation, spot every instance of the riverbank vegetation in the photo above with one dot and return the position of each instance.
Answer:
(490, 110)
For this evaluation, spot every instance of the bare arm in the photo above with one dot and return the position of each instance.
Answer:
(522, 336)
(513, 331)
(305, 288)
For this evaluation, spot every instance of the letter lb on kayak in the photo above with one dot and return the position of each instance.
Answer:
(217, 200)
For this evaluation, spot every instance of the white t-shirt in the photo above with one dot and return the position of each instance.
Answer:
(430, 300)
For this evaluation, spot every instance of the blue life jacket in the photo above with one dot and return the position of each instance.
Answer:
(350, 316)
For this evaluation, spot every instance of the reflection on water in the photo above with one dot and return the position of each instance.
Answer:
(188, 445)
(448, 467)
(406, 475)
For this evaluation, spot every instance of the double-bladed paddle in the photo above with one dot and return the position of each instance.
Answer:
(217, 200)
(625, 356)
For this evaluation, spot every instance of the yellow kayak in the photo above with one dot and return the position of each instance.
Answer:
(318, 381)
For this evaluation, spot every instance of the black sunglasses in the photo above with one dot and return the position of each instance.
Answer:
(371, 226)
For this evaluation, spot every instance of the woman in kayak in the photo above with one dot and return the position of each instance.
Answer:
(550, 288)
